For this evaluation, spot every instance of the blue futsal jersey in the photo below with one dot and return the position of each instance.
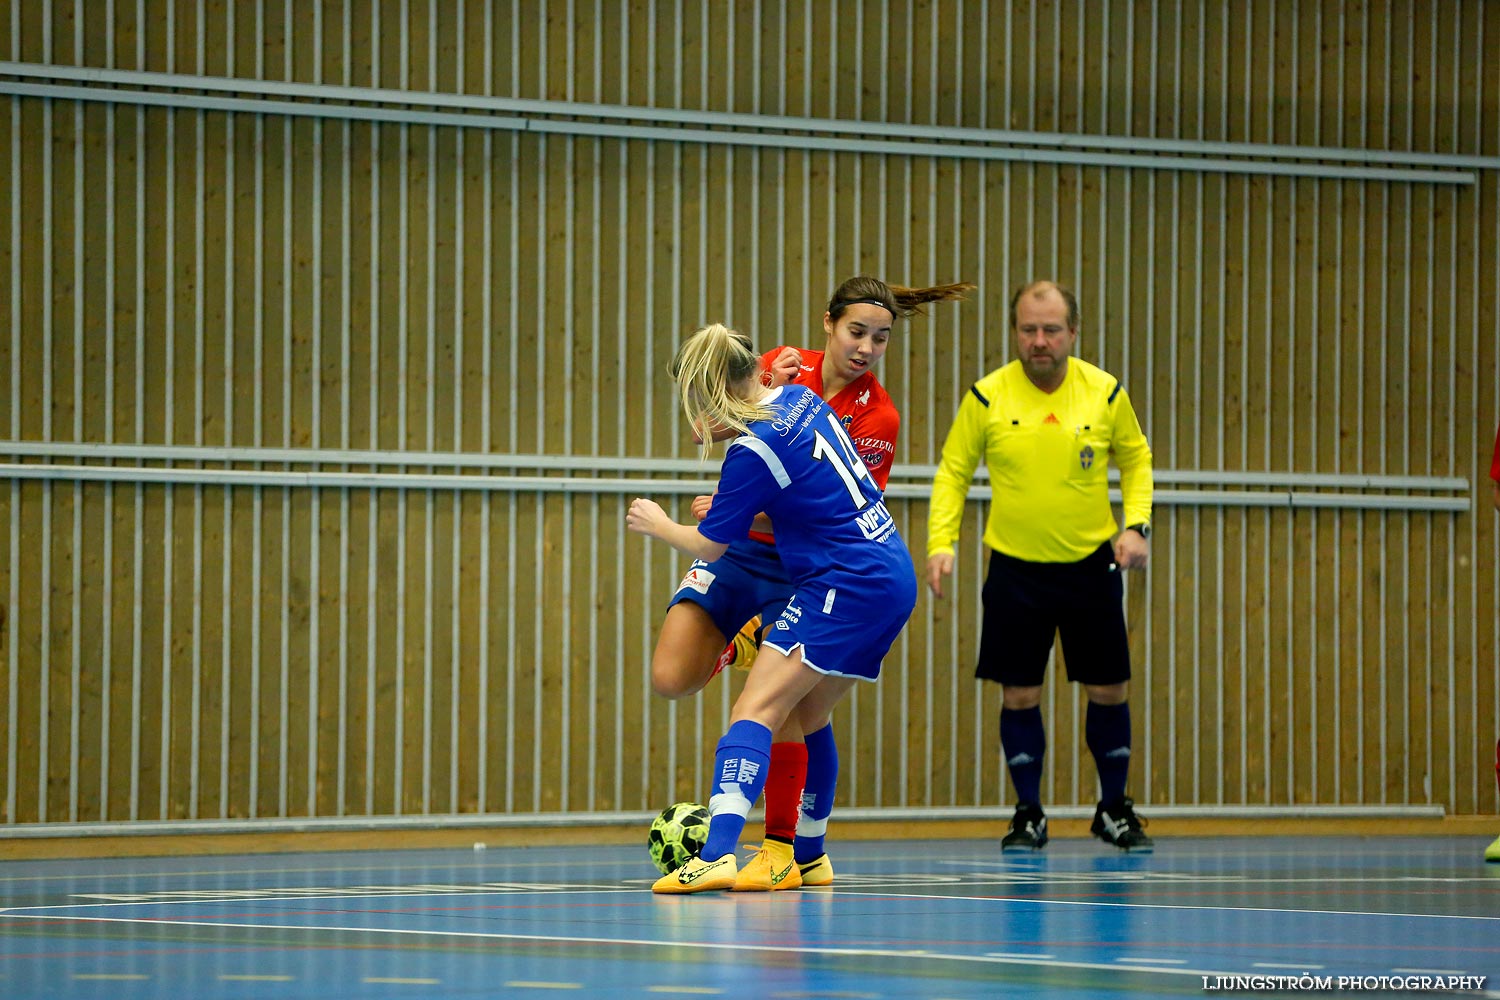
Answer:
(836, 539)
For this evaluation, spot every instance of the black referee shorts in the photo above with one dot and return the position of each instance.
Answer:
(1027, 604)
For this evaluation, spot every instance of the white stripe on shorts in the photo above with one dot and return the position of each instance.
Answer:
(787, 651)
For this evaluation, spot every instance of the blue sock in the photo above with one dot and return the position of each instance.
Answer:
(817, 794)
(1107, 729)
(1024, 738)
(740, 765)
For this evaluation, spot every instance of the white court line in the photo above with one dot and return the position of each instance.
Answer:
(1291, 911)
(1150, 961)
(457, 865)
(1117, 966)
(1170, 879)
(310, 895)
(905, 953)
(1187, 878)
(1017, 867)
(1182, 906)
(460, 863)
(1304, 967)
(1175, 855)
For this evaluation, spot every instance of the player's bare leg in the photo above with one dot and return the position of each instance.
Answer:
(686, 651)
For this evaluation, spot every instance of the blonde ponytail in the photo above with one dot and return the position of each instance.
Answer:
(716, 371)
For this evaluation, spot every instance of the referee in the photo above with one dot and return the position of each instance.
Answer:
(1047, 426)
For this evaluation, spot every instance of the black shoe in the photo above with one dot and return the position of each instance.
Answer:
(1028, 829)
(1116, 823)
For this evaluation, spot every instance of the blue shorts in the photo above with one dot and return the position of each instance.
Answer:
(844, 646)
(747, 580)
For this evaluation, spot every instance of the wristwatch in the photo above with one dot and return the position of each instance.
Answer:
(1143, 529)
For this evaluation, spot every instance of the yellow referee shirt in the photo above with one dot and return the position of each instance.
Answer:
(1048, 455)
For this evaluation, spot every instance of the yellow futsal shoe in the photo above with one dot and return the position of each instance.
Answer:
(740, 653)
(818, 871)
(747, 643)
(1491, 853)
(772, 868)
(698, 875)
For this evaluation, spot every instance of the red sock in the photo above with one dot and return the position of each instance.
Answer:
(788, 773)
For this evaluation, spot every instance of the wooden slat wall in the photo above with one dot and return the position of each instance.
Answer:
(209, 278)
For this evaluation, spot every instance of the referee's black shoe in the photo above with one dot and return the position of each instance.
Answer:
(1028, 829)
(1116, 823)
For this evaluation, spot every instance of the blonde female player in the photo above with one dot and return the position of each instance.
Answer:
(748, 584)
(853, 582)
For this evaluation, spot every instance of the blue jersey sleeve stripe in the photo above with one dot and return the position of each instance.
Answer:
(975, 390)
(1115, 393)
(768, 456)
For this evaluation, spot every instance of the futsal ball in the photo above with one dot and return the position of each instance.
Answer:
(677, 833)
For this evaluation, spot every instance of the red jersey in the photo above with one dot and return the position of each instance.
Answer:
(863, 407)
(869, 416)
(1495, 462)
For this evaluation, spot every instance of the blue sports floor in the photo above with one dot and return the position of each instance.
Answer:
(904, 919)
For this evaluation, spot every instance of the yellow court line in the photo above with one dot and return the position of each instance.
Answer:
(132, 976)
(255, 979)
(696, 990)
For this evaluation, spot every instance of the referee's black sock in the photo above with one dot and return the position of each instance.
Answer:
(1107, 729)
(1024, 739)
